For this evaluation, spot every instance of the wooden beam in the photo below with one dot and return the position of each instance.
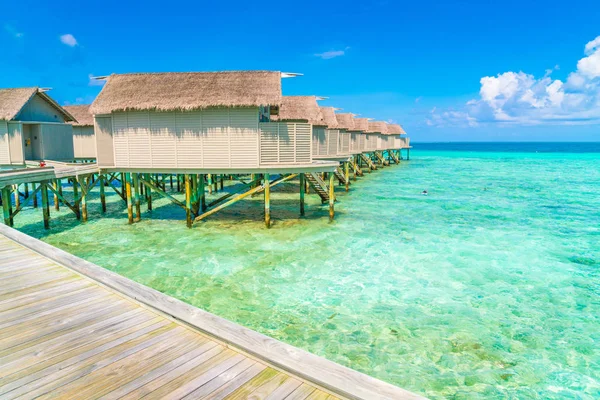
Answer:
(150, 186)
(148, 183)
(230, 202)
(202, 193)
(24, 202)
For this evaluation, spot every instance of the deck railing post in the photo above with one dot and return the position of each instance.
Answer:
(128, 197)
(267, 185)
(45, 205)
(331, 197)
(302, 190)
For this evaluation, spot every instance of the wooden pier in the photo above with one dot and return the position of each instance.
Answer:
(73, 330)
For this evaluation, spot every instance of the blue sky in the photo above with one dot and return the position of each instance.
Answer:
(417, 63)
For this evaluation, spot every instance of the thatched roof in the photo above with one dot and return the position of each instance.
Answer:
(361, 124)
(395, 129)
(329, 117)
(345, 121)
(188, 91)
(378, 127)
(12, 102)
(81, 114)
(300, 108)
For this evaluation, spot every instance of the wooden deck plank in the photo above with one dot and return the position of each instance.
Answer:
(284, 390)
(182, 370)
(189, 376)
(109, 377)
(239, 380)
(54, 291)
(220, 380)
(61, 325)
(37, 372)
(50, 306)
(302, 392)
(93, 335)
(64, 335)
(83, 365)
(162, 371)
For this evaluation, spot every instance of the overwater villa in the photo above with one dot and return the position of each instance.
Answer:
(33, 127)
(200, 123)
(84, 141)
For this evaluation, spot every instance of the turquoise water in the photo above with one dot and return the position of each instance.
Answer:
(489, 287)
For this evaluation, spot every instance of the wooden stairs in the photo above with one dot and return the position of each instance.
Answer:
(339, 174)
(368, 161)
(318, 185)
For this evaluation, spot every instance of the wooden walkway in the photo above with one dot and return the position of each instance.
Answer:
(65, 335)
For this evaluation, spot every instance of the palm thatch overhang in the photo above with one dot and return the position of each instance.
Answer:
(377, 127)
(300, 108)
(81, 114)
(13, 100)
(188, 91)
(329, 117)
(395, 129)
(361, 124)
(345, 121)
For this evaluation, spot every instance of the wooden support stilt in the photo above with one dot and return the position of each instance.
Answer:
(302, 189)
(188, 201)
(136, 196)
(17, 198)
(407, 154)
(148, 192)
(35, 200)
(26, 190)
(7, 206)
(267, 185)
(209, 176)
(83, 201)
(102, 194)
(129, 200)
(201, 193)
(347, 174)
(221, 182)
(178, 183)
(45, 205)
(56, 184)
(331, 197)
(171, 180)
(76, 198)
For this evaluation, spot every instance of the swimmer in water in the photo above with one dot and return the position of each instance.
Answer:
(424, 193)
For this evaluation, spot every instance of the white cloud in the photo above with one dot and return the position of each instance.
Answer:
(69, 40)
(331, 54)
(521, 98)
(12, 31)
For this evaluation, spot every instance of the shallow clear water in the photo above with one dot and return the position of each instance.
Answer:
(489, 287)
